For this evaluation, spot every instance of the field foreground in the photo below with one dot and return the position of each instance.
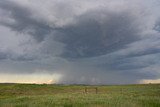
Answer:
(32, 95)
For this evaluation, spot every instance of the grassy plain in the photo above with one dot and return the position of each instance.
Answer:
(34, 95)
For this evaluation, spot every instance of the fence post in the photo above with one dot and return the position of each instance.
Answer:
(85, 90)
(96, 90)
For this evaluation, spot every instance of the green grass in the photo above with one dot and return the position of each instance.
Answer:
(32, 95)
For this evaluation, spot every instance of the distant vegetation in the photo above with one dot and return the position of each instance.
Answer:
(32, 95)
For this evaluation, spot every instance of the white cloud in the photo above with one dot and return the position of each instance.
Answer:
(37, 78)
(148, 81)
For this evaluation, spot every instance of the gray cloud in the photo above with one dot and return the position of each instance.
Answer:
(98, 33)
(87, 42)
(22, 20)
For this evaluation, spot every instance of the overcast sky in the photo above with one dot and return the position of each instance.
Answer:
(80, 41)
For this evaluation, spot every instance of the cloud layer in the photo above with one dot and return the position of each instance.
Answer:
(94, 42)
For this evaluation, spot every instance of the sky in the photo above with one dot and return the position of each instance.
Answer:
(80, 41)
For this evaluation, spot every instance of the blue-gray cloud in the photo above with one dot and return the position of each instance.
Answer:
(106, 42)
(98, 32)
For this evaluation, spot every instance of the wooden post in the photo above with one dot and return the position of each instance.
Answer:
(96, 90)
(85, 90)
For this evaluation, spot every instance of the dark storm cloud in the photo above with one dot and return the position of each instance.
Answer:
(98, 33)
(23, 22)
(3, 56)
(100, 42)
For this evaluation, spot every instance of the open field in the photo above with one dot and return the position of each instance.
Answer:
(32, 95)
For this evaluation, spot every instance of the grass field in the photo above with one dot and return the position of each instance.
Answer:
(32, 95)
